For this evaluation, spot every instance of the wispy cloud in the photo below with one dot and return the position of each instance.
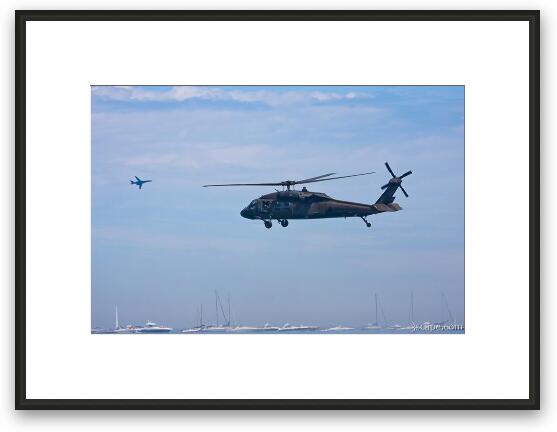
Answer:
(201, 156)
(183, 93)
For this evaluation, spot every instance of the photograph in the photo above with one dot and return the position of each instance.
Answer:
(303, 220)
(277, 209)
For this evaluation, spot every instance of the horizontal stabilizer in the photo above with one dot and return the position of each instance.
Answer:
(393, 207)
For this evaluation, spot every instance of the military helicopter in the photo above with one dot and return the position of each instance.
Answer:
(293, 204)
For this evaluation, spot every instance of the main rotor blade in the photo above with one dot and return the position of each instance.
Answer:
(385, 186)
(405, 174)
(402, 189)
(390, 170)
(334, 178)
(314, 178)
(245, 184)
(291, 182)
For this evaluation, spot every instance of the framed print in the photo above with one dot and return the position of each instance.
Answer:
(277, 210)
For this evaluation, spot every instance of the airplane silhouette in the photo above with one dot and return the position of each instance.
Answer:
(139, 182)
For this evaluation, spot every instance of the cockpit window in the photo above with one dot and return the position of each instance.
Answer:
(253, 203)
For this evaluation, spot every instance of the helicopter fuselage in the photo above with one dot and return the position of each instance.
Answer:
(305, 204)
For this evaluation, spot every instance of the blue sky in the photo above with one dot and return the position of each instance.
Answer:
(160, 252)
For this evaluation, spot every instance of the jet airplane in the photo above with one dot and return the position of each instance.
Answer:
(139, 182)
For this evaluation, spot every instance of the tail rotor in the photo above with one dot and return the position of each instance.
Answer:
(397, 180)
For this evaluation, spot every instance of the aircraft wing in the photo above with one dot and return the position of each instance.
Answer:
(140, 185)
(137, 178)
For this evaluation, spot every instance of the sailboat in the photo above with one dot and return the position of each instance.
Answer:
(198, 328)
(226, 325)
(446, 315)
(375, 325)
(117, 328)
(411, 325)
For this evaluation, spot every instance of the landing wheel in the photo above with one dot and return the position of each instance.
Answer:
(368, 224)
(268, 224)
(284, 223)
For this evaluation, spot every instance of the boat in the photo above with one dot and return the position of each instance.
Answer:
(132, 329)
(151, 327)
(100, 330)
(196, 329)
(375, 325)
(199, 328)
(268, 327)
(447, 319)
(243, 328)
(290, 328)
(214, 328)
(411, 324)
(217, 328)
(117, 328)
(338, 328)
(265, 328)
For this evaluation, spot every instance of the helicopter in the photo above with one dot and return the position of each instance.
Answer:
(304, 204)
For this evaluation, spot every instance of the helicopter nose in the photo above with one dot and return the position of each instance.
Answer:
(243, 213)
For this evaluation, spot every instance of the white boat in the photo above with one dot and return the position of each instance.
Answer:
(243, 328)
(99, 330)
(216, 328)
(375, 325)
(151, 327)
(287, 327)
(265, 328)
(117, 328)
(268, 327)
(197, 329)
(338, 328)
(193, 330)
(411, 325)
(132, 329)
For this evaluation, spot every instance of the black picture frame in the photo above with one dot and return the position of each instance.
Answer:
(531, 16)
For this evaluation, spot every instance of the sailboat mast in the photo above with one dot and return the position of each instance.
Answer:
(446, 304)
(376, 321)
(216, 307)
(116, 324)
(201, 316)
(228, 309)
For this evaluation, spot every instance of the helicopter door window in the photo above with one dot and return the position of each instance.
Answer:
(266, 205)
